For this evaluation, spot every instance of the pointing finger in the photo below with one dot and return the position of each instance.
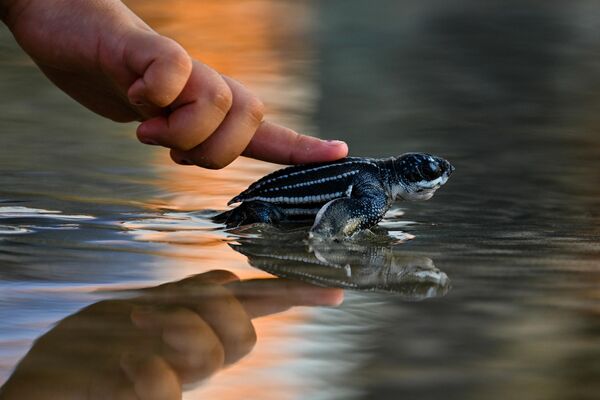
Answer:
(274, 143)
(262, 297)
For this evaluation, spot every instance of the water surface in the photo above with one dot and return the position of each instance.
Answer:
(508, 92)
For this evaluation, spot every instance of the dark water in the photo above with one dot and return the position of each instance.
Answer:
(505, 259)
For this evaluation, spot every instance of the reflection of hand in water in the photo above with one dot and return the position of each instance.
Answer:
(147, 346)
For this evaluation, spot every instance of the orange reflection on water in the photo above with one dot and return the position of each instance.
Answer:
(232, 36)
(243, 39)
(256, 42)
(193, 188)
(262, 375)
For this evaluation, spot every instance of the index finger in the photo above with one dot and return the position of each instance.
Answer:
(261, 297)
(276, 144)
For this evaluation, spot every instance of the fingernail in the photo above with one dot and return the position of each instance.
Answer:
(336, 298)
(136, 101)
(335, 142)
(149, 141)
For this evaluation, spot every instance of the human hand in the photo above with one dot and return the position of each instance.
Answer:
(147, 346)
(109, 60)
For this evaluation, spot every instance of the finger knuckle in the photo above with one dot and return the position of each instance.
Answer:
(178, 56)
(171, 50)
(254, 108)
(221, 98)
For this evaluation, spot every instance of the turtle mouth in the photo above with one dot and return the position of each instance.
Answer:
(433, 184)
(421, 190)
(426, 190)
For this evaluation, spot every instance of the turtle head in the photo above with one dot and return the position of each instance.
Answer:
(419, 175)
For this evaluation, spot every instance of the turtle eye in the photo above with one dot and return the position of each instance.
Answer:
(431, 170)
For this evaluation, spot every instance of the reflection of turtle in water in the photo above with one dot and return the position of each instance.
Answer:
(342, 197)
(349, 266)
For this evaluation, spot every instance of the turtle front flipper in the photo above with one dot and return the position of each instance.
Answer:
(251, 212)
(343, 217)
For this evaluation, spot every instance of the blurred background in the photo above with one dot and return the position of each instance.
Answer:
(508, 91)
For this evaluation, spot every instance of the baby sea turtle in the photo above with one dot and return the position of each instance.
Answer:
(342, 197)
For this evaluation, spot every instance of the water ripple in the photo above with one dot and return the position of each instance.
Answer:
(19, 220)
(26, 212)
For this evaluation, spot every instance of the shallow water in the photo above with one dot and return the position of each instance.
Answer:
(508, 92)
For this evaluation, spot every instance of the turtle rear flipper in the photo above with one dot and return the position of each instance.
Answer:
(250, 212)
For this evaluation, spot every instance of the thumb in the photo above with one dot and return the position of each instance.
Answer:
(162, 66)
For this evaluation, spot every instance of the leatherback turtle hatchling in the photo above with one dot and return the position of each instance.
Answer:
(342, 196)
